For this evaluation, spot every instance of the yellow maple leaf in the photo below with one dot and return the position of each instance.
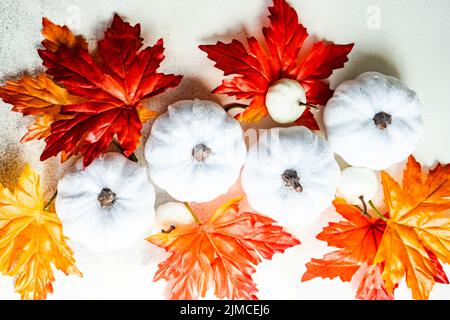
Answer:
(418, 226)
(31, 239)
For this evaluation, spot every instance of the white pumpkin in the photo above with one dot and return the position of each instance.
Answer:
(356, 182)
(290, 175)
(195, 151)
(285, 100)
(171, 215)
(373, 121)
(107, 206)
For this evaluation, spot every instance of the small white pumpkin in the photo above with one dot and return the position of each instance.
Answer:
(195, 151)
(107, 206)
(285, 101)
(356, 182)
(373, 121)
(171, 215)
(290, 175)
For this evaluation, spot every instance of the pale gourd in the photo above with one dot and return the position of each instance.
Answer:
(107, 206)
(357, 185)
(171, 215)
(285, 101)
(373, 121)
(290, 175)
(195, 151)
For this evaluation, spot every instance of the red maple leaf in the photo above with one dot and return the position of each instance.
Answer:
(221, 252)
(113, 86)
(255, 68)
(357, 238)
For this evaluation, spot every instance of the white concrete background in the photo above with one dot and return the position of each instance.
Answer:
(412, 42)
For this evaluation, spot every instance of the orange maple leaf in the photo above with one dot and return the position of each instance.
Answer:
(418, 228)
(40, 97)
(60, 36)
(221, 253)
(31, 239)
(357, 238)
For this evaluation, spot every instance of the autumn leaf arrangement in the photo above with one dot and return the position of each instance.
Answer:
(87, 100)
(407, 240)
(81, 104)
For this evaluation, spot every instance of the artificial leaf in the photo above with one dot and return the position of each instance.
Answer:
(144, 113)
(418, 228)
(440, 276)
(113, 85)
(31, 239)
(60, 36)
(255, 69)
(41, 127)
(40, 97)
(307, 119)
(221, 252)
(357, 238)
(372, 286)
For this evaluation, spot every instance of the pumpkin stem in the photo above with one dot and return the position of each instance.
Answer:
(382, 120)
(305, 104)
(200, 152)
(49, 203)
(192, 213)
(171, 228)
(291, 179)
(106, 198)
(364, 208)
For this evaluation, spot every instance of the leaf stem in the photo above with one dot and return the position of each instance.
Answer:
(132, 157)
(379, 214)
(49, 203)
(192, 213)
